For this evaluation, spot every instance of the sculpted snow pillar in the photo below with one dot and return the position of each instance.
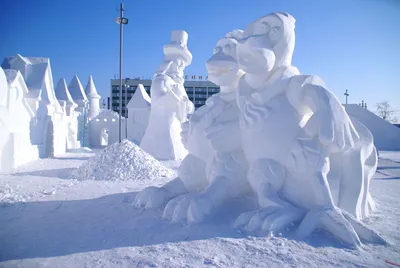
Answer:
(4, 117)
(170, 105)
(93, 98)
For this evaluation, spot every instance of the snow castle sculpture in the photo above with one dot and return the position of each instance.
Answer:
(170, 105)
(4, 126)
(78, 94)
(93, 98)
(69, 106)
(313, 170)
(138, 114)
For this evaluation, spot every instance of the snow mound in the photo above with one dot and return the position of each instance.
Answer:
(80, 150)
(7, 196)
(122, 162)
(386, 135)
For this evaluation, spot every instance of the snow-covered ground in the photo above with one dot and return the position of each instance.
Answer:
(48, 219)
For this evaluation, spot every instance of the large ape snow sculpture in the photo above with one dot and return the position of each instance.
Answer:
(210, 168)
(290, 125)
(277, 133)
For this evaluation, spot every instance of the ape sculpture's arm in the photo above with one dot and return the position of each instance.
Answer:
(329, 121)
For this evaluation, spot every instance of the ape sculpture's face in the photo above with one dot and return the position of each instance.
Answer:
(222, 67)
(256, 50)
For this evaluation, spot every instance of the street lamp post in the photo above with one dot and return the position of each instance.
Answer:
(121, 21)
(126, 107)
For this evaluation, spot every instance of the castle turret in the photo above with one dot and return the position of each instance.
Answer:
(93, 97)
(77, 93)
(64, 97)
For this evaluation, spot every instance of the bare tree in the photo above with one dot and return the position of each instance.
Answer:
(384, 110)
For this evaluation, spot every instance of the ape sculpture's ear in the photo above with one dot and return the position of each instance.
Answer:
(236, 34)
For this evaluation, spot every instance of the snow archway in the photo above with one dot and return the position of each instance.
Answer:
(104, 137)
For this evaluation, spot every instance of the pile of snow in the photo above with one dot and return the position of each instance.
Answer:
(7, 195)
(80, 150)
(121, 162)
(386, 135)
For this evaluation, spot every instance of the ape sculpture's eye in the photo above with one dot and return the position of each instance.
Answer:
(227, 49)
(274, 31)
(217, 50)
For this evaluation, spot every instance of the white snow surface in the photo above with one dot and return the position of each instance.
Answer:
(386, 135)
(120, 162)
(51, 220)
(80, 150)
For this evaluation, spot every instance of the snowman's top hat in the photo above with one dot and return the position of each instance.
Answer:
(178, 46)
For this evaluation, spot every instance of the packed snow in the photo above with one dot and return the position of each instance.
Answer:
(121, 162)
(80, 150)
(60, 222)
(386, 135)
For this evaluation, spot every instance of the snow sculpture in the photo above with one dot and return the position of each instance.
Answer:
(18, 149)
(47, 129)
(93, 98)
(351, 172)
(289, 162)
(79, 96)
(210, 168)
(77, 93)
(138, 114)
(4, 116)
(66, 101)
(103, 129)
(170, 105)
(304, 158)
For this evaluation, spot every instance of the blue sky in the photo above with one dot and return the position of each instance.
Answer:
(351, 44)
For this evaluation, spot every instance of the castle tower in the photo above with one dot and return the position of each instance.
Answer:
(77, 93)
(93, 97)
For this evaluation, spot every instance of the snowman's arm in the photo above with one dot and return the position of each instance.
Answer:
(168, 98)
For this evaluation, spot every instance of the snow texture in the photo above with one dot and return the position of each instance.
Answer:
(80, 150)
(138, 114)
(170, 105)
(37, 75)
(93, 97)
(106, 122)
(15, 120)
(62, 93)
(140, 99)
(66, 223)
(386, 135)
(314, 169)
(77, 92)
(120, 162)
(7, 195)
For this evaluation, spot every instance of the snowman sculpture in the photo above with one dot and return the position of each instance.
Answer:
(170, 105)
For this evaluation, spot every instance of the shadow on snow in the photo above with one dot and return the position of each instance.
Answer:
(62, 173)
(58, 228)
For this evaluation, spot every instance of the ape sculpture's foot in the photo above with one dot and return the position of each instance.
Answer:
(339, 223)
(271, 219)
(188, 207)
(152, 197)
